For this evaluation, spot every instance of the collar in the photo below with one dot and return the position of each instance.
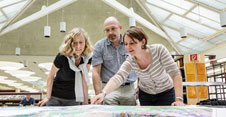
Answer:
(81, 62)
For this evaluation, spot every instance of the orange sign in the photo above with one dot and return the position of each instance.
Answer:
(194, 57)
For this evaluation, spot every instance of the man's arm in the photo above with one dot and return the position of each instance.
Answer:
(96, 78)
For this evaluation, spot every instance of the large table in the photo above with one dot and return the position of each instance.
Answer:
(113, 111)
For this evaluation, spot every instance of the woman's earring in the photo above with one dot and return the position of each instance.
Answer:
(143, 47)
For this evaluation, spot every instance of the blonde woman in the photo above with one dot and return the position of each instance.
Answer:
(67, 83)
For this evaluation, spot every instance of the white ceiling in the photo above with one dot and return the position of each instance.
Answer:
(201, 19)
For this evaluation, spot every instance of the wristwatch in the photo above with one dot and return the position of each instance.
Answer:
(103, 92)
(180, 98)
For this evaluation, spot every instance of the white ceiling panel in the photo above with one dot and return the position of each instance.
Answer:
(2, 17)
(14, 8)
(180, 3)
(193, 25)
(158, 13)
(207, 13)
(202, 20)
(220, 4)
(178, 25)
(173, 34)
(218, 39)
(195, 44)
(187, 50)
(222, 1)
(1, 25)
(8, 2)
(167, 6)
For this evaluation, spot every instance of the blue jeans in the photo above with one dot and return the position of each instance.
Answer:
(165, 98)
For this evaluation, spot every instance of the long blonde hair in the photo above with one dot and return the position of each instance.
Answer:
(67, 46)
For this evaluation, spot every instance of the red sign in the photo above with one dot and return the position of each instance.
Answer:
(194, 57)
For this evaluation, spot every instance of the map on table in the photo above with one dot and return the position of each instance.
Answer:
(107, 111)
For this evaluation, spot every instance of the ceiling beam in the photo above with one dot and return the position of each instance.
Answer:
(187, 11)
(3, 21)
(4, 14)
(190, 10)
(27, 5)
(180, 7)
(127, 12)
(215, 34)
(145, 9)
(162, 22)
(196, 51)
(12, 4)
(148, 12)
(50, 9)
(221, 2)
(218, 46)
(189, 36)
(186, 17)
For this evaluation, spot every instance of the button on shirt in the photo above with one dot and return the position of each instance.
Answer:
(111, 59)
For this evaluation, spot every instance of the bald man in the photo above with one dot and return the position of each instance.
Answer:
(108, 56)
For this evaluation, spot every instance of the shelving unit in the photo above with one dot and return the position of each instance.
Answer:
(216, 72)
(16, 97)
(216, 77)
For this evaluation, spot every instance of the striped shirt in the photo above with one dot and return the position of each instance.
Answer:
(157, 76)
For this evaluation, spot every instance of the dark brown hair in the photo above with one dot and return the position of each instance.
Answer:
(136, 33)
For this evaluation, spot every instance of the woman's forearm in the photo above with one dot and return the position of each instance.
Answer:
(85, 90)
(110, 86)
(177, 80)
(49, 87)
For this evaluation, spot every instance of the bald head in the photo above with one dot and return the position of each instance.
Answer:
(112, 30)
(111, 19)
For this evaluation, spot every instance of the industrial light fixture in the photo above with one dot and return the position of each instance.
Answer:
(183, 32)
(17, 51)
(132, 21)
(223, 19)
(62, 26)
(47, 28)
(25, 63)
(47, 31)
(62, 23)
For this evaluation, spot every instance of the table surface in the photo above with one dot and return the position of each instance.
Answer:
(113, 111)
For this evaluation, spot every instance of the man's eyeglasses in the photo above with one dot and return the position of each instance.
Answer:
(112, 29)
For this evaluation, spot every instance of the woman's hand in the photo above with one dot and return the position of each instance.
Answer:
(98, 99)
(43, 102)
(178, 103)
(85, 102)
